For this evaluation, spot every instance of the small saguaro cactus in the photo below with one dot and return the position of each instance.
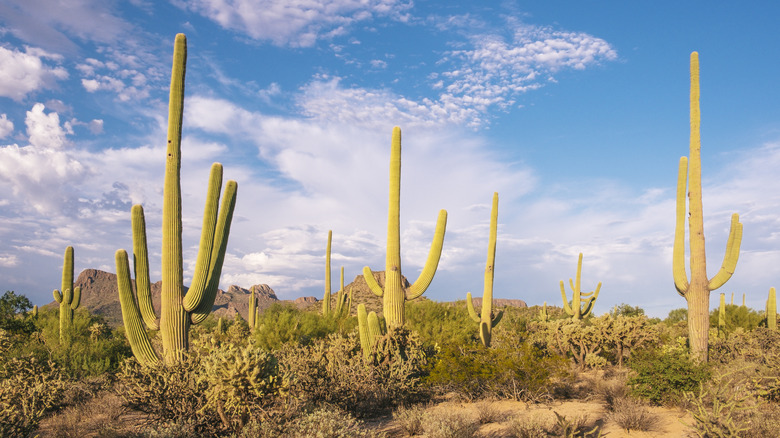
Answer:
(771, 310)
(579, 309)
(250, 315)
(487, 320)
(393, 295)
(697, 291)
(343, 300)
(178, 310)
(369, 329)
(35, 311)
(69, 298)
(544, 316)
(722, 316)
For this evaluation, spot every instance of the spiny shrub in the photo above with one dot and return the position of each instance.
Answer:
(719, 406)
(334, 371)
(525, 373)
(663, 375)
(28, 388)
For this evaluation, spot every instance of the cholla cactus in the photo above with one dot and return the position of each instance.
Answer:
(178, 310)
(487, 320)
(578, 309)
(697, 291)
(393, 294)
(69, 298)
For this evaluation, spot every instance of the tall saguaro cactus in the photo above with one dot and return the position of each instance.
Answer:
(69, 298)
(697, 291)
(393, 295)
(487, 320)
(579, 309)
(250, 316)
(343, 302)
(178, 310)
(771, 310)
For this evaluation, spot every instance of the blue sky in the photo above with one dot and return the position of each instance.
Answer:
(576, 113)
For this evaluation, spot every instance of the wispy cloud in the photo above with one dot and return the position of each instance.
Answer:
(299, 23)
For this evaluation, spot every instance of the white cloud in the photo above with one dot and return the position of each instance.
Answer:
(44, 130)
(298, 23)
(6, 126)
(22, 73)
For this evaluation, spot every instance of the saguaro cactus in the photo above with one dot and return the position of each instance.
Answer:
(178, 310)
(369, 330)
(697, 292)
(579, 309)
(394, 296)
(69, 298)
(343, 302)
(722, 316)
(487, 320)
(544, 316)
(250, 315)
(771, 310)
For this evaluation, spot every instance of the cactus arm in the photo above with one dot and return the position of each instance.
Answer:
(131, 315)
(470, 306)
(678, 254)
(372, 283)
(76, 300)
(731, 256)
(496, 319)
(434, 255)
(365, 340)
(374, 329)
(195, 294)
(57, 295)
(566, 307)
(141, 266)
(220, 248)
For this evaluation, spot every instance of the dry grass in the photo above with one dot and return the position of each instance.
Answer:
(410, 419)
(631, 414)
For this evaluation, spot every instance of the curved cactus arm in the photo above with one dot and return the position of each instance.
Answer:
(434, 255)
(496, 319)
(197, 289)
(731, 256)
(678, 254)
(371, 282)
(131, 315)
(470, 307)
(566, 307)
(588, 305)
(218, 256)
(76, 300)
(141, 266)
(57, 295)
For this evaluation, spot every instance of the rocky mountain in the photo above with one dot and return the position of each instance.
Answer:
(99, 295)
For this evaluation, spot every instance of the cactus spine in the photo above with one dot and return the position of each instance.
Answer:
(722, 316)
(697, 292)
(771, 310)
(394, 296)
(578, 308)
(178, 310)
(487, 320)
(69, 298)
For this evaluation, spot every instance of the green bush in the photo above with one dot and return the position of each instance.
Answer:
(283, 324)
(663, 375)
(441, 323)
(737, 317)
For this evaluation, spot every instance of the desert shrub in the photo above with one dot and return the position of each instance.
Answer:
(718, 407)
(663, 375)
(328, 421)
(450, 424)
(168, 393)
(626, 310)
(334, 371)
(96, 417)
(488, 412)
(677, 316)
(737, 317)
(632, 414)
(410, 419)
(282, 324)
(574, 427)
(535, 427)
(574, 338)
(15, 316)
(759, 347)
(28, 388)
(524, 373)
(441, 323)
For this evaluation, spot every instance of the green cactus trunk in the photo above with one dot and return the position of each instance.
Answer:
(697, 291)
(369, 330)
(487, 320)
(394, 296)
(68, 298)
(771, 310)
(722, 316)
(326, 297)
(579, 309)
(250, 314)
(178, 310)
